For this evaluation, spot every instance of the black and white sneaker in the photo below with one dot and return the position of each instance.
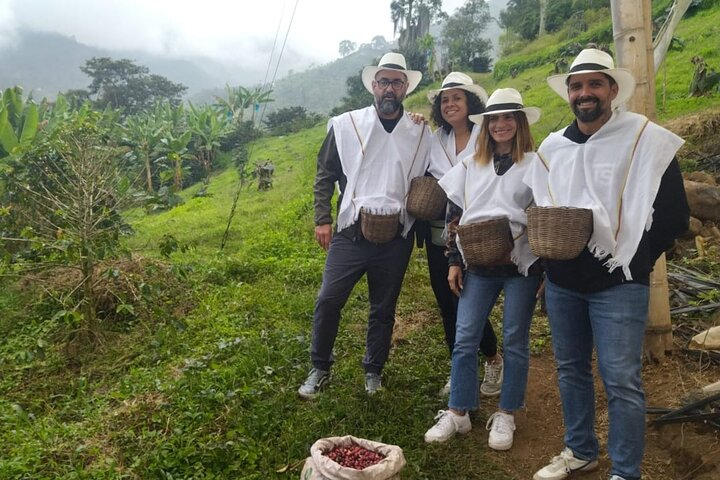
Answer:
(315, 381)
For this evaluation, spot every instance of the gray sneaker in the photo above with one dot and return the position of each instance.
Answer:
(373, 383)
(315, 381)
(492, 381)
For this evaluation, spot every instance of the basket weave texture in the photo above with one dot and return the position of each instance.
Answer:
(379, 228)
(486, 243)
(559, 233)
(426, 199)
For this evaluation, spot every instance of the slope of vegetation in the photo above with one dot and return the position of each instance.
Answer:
(198, 379)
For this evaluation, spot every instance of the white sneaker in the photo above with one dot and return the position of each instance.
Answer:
(445, 391)
(563, 465)
(502, 428)
(448, 424)
(492, 380)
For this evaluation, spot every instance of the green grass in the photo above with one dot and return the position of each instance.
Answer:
(204, 385)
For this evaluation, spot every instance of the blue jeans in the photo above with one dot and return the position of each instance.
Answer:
(477, 300)
(613, 321)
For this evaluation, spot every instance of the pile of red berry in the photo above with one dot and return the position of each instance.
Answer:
(354, 456)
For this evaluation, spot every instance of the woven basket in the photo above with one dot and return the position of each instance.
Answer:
(559, 233)
(486, 243)
(426, 199)
(379, 228)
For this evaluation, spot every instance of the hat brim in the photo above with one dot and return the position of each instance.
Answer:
(476, 89)
(369, 72)
(531, 113)
(623, 77)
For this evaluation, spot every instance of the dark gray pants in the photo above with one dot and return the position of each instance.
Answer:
(349, 257)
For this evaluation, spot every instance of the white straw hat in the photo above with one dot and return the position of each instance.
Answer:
(391, 61)
(461, 81)
(593, 60)
(504, 100)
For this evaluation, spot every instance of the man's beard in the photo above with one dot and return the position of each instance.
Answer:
(389, 104)
(587, 116)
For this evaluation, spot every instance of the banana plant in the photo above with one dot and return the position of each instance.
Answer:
(143, 133)
(240, 99)
(19, 121)
(176, 151)
(208, 127)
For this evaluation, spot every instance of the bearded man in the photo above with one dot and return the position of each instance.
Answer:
(621, 166)
(371, 154)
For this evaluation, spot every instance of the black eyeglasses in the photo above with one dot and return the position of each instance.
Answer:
(397, 84)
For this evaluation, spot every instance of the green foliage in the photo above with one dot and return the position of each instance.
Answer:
(241, 135)
(463, 37)
(357, 96)
(412, 19)
(19, 122)
(123, 84)
(240, 99)
(515, 64)
(67, 191)
(208, 126)
(523, 16)
(290, 120)
(346, 48)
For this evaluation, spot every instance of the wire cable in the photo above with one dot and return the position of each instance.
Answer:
(262, 114)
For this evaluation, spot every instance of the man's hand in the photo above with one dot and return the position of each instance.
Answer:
(417, 118)
(455, 279)
(323, 235)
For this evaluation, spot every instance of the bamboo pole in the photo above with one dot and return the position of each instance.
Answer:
(632, 32)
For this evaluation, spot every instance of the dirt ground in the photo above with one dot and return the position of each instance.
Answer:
(684, 451)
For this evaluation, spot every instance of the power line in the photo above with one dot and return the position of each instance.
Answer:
(262, 114)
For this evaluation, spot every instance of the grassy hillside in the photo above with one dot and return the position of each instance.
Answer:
(205, 386)
(699, 33)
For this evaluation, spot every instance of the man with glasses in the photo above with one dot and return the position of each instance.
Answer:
(371, 154)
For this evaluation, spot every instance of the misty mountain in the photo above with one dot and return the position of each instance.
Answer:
(318, 89)
(47, 63)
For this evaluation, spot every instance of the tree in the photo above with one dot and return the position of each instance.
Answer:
(357, 96)
(125, 85)
(239, 99)
(378, 42)
(528, 18)
(412, 19)
(143, 133)
(462, 36)
(208, 127)
(346, 48)
(290, 119)
(19, 121)
(543, 16)
(522, 17)
(70, 192)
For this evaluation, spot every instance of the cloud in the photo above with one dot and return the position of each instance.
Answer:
(8, 30)
(232, 31)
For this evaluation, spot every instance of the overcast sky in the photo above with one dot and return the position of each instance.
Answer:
(230, 30)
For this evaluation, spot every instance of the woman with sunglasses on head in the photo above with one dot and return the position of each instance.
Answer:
(485, 186)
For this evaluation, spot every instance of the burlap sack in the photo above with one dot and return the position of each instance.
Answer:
(319, 467)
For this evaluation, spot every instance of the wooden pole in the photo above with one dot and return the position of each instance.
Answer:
(632, 32)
